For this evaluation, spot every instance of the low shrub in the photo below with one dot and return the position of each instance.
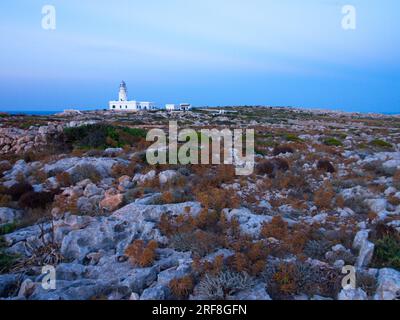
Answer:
(357, 204)
(133, 194)
(277, 228)
(120, 169)
(66, 204)
(7, 228)
(387, 246)
(281, 164)
(396, 179)
(323, 197)
(199, 242)
(140, 254)
(381, 144)
(387, 253)
(223, 285)
(35, 200)
(18, 189)
(218, 199)
(5, 200)
(282, 150)
(290, 278)
(85, 171)
(265, 167)
(270, 167)
(316, 249)
(367, 282)
(102, 136)
(293, 137)
(64, 179)
(394, 200)
(347, 256)
(4, 166)
(325, 165)
(40, 176)
(175, 196)
(7, 260)
(181, 288)
(333, 142)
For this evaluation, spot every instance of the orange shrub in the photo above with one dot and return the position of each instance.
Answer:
(240, 262)
(323, 196)
(340, 202)
(207, 219)
(297, 239)
(39, 175)
(218, 199)
(167, 197)
(285, 279)
(396, 178)
(277, 229)
(394, 200)
(141, 255)
(200, 267)
(66, 204)
(258, 267)
(120, 169)
(182, 288)
(64, 179)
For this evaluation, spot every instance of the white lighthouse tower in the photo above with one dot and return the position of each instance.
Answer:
(123, 104)
(123, 92)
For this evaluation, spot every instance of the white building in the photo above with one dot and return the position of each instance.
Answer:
(185, 106)
(178, 107)
(172, 107)
(124, 104)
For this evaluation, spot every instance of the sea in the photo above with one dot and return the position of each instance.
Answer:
(32, 112)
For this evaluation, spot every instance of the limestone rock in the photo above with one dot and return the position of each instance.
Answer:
(352, 294)
(388, 285)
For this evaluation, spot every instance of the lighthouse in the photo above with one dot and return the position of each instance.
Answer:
(123, 104)
(123, 92)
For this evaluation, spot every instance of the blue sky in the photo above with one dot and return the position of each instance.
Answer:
(208, 52)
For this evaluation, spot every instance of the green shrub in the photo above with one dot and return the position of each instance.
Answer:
(7, 228)
(101, 136)
(332, 142)
(293, 137)
(261, 152)
(381, 144)
(7, 260)
(387, 252)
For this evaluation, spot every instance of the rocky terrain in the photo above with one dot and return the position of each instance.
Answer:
(77, 193)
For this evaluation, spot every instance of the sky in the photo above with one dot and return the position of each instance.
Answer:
(206, 52)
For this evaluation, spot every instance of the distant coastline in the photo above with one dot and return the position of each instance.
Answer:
(51, 112)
